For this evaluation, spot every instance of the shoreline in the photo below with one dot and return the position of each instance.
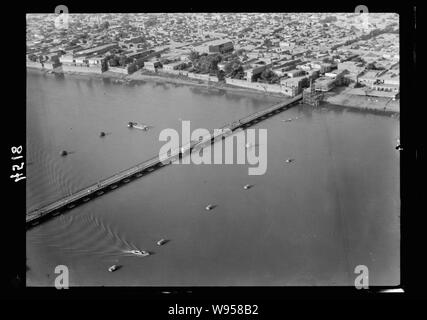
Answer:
(166, 78)
(338, 97)
(343, 96)
(376, 111)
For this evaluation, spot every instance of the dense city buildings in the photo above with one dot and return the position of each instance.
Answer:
(273, 52)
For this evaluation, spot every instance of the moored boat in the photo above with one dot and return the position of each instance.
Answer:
(113, 268)
(161, 242)
(210, 207)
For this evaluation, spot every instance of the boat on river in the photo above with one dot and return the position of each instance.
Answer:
(161, 242)
(140, 253)
(136, 125)
(210, 207)
(113, 268)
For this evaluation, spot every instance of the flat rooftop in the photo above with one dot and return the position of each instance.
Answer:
(95, 49)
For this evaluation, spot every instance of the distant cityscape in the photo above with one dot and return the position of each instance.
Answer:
(278, 53)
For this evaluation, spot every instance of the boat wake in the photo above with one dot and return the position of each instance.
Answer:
(82, 233)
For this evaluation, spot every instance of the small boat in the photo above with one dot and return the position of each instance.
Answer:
(64, 153)
(113, 268)
(138, 126)
(140, 253)
(161, 242)
(289, 160)
(247, 186)
(86, 199)
(399, 147)
(126, 180)
(287, 120)
(209, 207)
(113, 186)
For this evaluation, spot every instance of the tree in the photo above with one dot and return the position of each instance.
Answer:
(132, 68)
(237, 73)
(267, 43)
(240, 52)
(305, 83)
(220, 74)
(105, 25)
(182, 66)
(113, 61)
(207, 63)
(139, 63)
(267, 74)
(122, 61)
(32, 57)
(233, 65)
(104, 65)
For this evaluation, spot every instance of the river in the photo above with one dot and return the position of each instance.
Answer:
(309, 222)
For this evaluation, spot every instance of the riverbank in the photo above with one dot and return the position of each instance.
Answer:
(345, 96)
(162, 78)
(176, 79)
(340, 96)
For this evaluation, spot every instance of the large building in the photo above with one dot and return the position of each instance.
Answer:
(324, 84)
(369, 77)
(295, 83)
(221, 46)
(152, 65)
(254, 69)
(330, 80)
(215, 46)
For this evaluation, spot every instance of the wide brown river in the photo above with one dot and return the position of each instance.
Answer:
(310, 222)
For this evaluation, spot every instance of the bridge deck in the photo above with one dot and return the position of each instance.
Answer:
(33, 217)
